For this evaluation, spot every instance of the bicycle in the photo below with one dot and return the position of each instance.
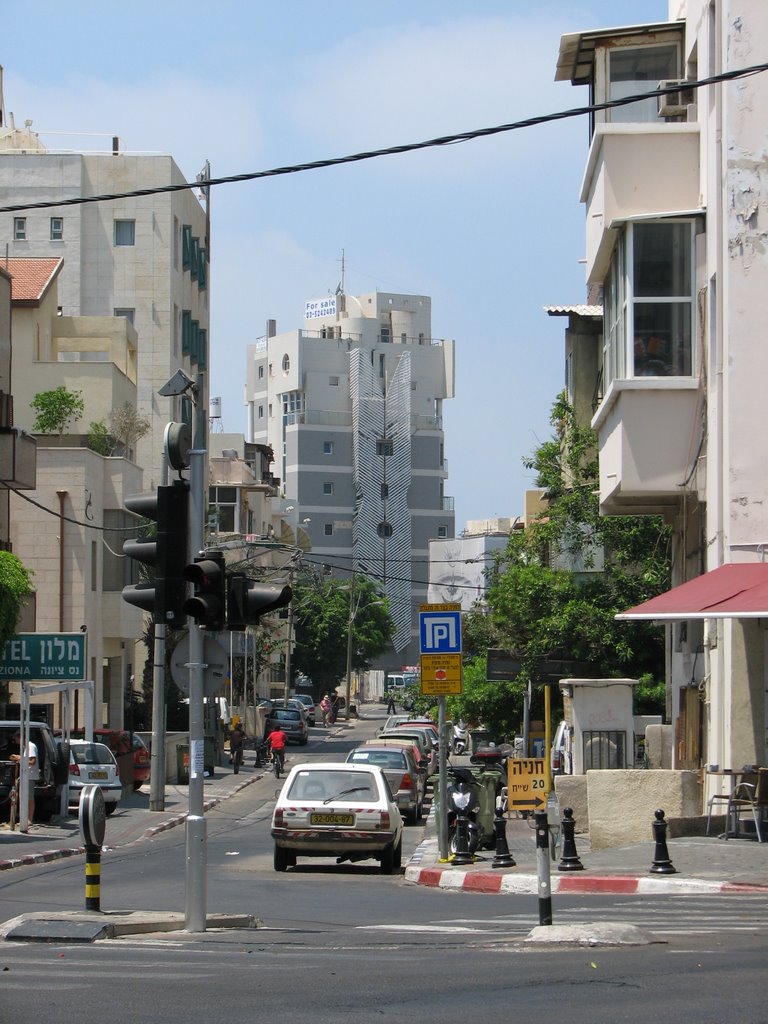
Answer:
(278, 762)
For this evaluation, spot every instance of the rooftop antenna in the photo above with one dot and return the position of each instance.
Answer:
(340, 285)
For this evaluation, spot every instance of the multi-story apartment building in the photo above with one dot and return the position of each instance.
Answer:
(675, 195)
(144, 258)
(352, 406)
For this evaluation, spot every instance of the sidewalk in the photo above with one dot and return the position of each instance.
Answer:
(702, 865)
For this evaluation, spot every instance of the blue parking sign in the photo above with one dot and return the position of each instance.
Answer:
(440, 632)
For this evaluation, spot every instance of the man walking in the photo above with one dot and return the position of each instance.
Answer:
(391, 709)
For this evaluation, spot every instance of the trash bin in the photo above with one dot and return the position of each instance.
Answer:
(182, 764)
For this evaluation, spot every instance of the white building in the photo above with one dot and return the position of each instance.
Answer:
(458, 566)
(352, 406)
(676, 197)
(144, 258)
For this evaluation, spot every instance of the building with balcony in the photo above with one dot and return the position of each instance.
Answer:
(671, 376)
(352, 407)
(142, 258)
(68, 525)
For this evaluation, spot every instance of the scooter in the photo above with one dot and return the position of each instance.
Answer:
(463, 805)
(460, 741)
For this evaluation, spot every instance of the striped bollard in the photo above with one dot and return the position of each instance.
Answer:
(93, 819)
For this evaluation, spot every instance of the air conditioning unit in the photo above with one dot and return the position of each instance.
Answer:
(675, 104)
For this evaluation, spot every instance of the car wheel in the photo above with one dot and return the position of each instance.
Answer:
(282, 858)
(414, 816)
(388, 858)
(110, 809)
(397, 858)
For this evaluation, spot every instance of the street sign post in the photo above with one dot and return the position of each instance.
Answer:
(526, 784)
(44, 656)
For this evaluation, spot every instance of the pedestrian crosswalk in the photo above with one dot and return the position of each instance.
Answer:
(665, 917)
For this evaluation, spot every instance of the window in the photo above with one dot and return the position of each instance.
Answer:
(125, 232)
(384, 529)
(442, 532)
(19, 229)
(176, 242)
(186, 246)
(328, 487)
(261, 372)
(328, 530)
(57, 229)
(333, 382)
(127, 313)
(261, 412)
(224, 502)
(385, 490)
(327, 447)
(384, 446)
(633, 70)
(649, 302)
(286, 363)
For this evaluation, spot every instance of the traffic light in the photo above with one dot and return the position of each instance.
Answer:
(208, 573)
(248, 601)
(167, 552)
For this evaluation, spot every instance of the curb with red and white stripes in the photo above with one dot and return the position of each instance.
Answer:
(528, 884)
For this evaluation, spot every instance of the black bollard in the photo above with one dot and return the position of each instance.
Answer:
(503, 858)
(93, 878)
(570, 858)
(662, 865)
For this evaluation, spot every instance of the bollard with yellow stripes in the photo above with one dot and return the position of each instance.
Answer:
(92, 825)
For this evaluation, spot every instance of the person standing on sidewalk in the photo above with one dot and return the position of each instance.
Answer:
(325, 708)
(391, 709)
(34, 772)
(236, 742)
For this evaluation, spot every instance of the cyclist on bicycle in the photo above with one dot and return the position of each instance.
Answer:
(277, 740)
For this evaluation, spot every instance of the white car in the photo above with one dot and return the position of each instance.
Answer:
(93, 764)
(339, 810)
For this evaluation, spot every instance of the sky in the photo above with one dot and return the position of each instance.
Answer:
(491, 229)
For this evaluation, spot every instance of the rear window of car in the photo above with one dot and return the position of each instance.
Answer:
(383, 758)
(286, 715)
(334, 784)
(91, 753)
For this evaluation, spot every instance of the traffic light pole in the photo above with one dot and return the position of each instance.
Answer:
(196, 844)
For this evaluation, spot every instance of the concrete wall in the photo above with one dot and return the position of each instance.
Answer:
(621, 805)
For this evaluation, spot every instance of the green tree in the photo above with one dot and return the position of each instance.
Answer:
(56, 409)
(98, 439)
(560, 583)
(321, 628)
(15, 588)
(126, 427)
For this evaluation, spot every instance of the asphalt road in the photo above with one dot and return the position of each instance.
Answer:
(345, 942)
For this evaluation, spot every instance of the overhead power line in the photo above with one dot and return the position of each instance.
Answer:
(409, 147)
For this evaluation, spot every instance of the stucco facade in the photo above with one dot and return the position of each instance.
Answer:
(676, 199)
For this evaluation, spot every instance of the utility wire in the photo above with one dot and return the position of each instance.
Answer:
(69, 519)
(410, 147)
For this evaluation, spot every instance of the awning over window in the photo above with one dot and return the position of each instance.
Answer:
(730, 592)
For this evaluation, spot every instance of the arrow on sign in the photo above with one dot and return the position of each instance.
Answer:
(536, 802)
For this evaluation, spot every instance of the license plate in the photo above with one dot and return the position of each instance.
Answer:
(98, 775)
(326, 818)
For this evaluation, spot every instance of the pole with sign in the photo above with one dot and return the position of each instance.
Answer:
(440, 645)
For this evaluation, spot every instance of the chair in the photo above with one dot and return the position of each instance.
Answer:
(749, 797)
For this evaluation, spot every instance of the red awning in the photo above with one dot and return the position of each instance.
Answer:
(730, 592)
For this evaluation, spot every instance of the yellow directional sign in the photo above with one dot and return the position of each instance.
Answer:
(526, 784)
(441, 674)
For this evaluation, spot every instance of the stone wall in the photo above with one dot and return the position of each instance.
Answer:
(621, 805)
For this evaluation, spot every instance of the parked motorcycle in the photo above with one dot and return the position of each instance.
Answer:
(463, 805)
(473, 796)
(460, 740)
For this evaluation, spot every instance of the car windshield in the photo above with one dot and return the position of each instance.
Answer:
(286, 715)
(91, 753)
(325, 786)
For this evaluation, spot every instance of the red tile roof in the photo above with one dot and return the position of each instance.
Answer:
(31, 277)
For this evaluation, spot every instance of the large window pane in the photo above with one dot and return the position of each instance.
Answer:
(662, 260)
(662, 339)
(634, 70)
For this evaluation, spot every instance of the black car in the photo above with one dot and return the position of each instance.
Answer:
(53, 759)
